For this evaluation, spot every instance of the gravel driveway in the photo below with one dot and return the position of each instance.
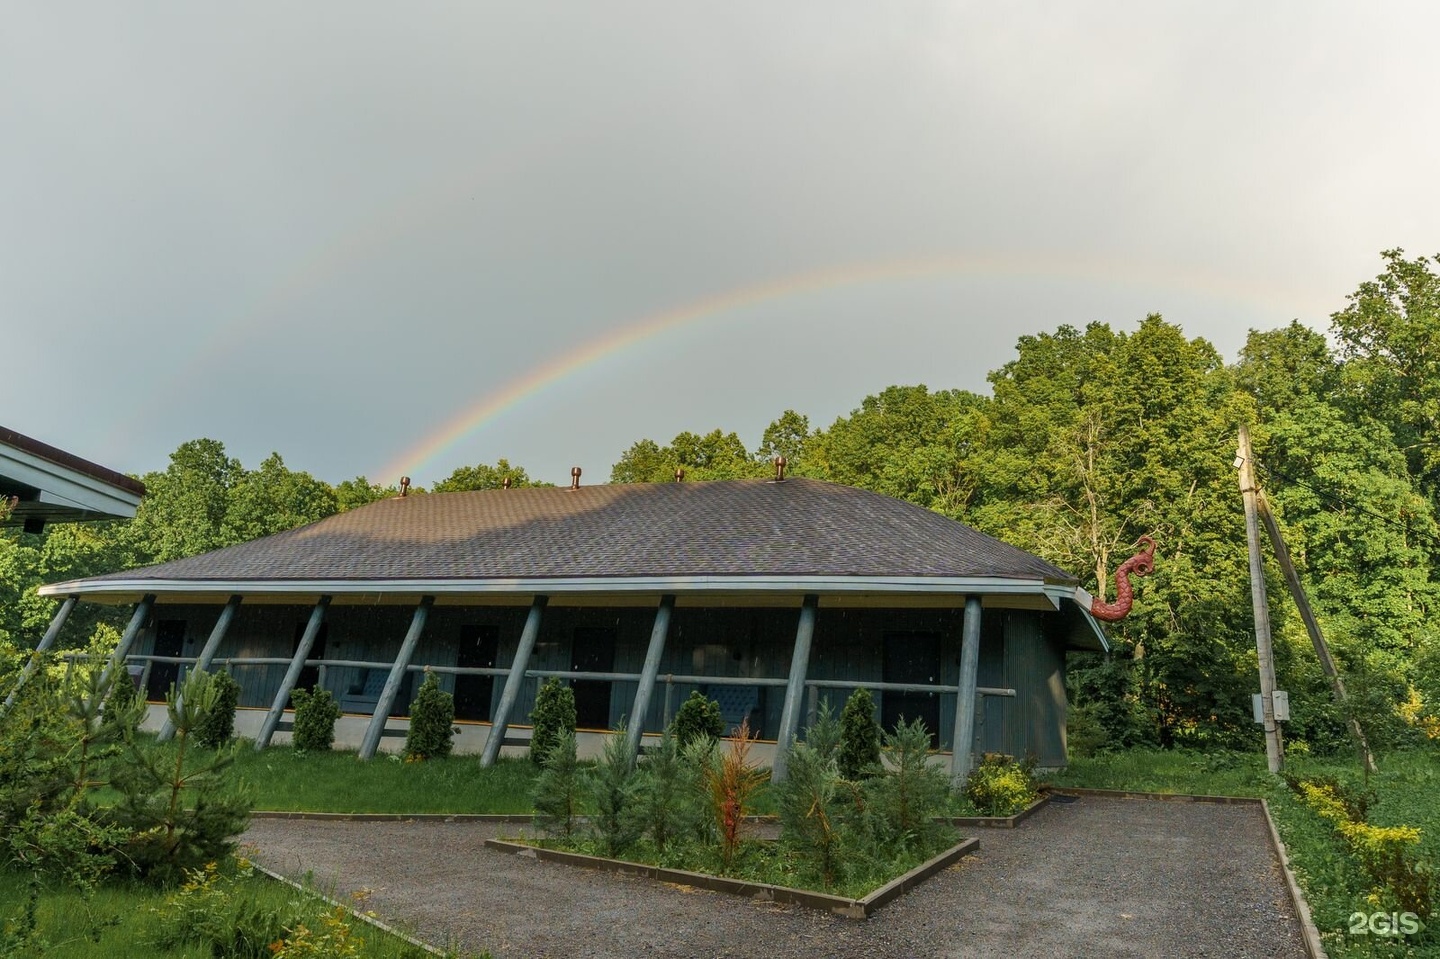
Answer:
(1093, 877)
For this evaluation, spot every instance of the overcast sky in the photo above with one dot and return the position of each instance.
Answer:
(332, 229)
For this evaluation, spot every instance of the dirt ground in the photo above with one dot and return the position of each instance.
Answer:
(1091, 877)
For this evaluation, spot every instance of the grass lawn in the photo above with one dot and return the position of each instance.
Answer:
(1408, 791)
(280, 778)
(121, 920)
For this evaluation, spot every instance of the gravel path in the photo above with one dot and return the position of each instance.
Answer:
(1095, 877)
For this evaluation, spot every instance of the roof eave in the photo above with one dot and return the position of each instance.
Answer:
(118, 590)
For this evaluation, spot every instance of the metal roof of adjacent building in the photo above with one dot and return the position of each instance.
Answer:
(53, 486)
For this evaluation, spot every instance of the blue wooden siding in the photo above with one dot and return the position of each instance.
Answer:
(1015, 651)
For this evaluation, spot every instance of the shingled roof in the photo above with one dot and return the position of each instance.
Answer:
(798, 528)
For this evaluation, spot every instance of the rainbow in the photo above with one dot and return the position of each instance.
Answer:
(494, 404)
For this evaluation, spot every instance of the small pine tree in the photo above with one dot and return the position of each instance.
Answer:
(612, 789)
(557, 789)
(315, 714)
(179, 813)
(554, 714)
(859, 751)
(699, 718)
(668, 794)
(431, 717)
(812, 808)
(217, 724)
(905, 800)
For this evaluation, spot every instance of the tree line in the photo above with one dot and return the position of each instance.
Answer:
(1088, 439)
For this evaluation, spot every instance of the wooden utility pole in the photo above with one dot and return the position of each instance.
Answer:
(1312, 626)
(1274, 754)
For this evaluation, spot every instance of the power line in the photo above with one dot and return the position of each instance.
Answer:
(1335, 499)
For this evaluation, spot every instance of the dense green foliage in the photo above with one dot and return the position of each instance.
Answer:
(315, 714)
(697, 720)
(432, 715)
(557, 794)
(552, 716)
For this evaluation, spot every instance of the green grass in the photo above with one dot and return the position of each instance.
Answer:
(1408, 791)
(120, 920)
(282, 779)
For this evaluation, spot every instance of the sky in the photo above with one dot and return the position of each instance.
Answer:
(386, 239)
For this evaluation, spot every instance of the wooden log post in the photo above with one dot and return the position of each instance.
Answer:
(207, 654)
(1312, 625)
(501, 724)
(376, 729)
(46, 641)
(795, 688)
(1274, 751)
(292, 674)
(648, 672)
(966, 695)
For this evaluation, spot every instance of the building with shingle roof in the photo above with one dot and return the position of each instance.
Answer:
(769, 596)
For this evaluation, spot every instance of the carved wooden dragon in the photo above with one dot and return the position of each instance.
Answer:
(1141, 564)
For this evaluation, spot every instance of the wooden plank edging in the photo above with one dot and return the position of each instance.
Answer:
(1000, 822)
(837, 905)
(1308, 932)
(355, 913)
(1160, 797)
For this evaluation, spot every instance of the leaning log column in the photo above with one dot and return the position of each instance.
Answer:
(964, 741)
(513, 682)
(292, 675)
(137, 622)
(648, 672)
(795, 689)
(46, 641)
(376, 729)
(207, 653)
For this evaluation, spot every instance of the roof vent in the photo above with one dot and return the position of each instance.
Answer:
(574, 477)
(779, 469)
(505, 483)
(679, 474)
(404, 486)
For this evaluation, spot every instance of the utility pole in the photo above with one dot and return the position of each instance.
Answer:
(1312, 625)
(1245, 460)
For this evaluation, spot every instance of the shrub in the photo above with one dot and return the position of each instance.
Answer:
(1084, 734)
(823, 736)
(697, 719)
(1389, 854)
(553, 715)
(315, 714)
(999, 786)
(731, 780)
(811, 807)
(557, 789)
(217, 726)
(859, 750)
(611, 786)
(212, 908)
(432, 714)
(905, 800)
